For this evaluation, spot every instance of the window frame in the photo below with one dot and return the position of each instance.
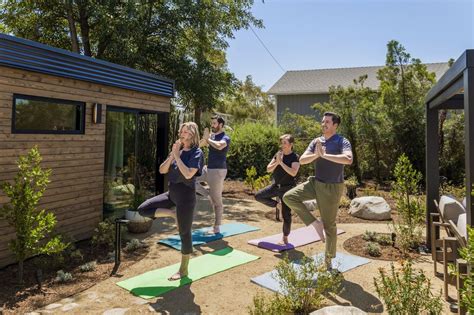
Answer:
(82, 115)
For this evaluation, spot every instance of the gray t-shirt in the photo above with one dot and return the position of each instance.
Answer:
(327, 171)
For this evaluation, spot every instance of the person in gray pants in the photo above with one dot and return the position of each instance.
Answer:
(216, 170)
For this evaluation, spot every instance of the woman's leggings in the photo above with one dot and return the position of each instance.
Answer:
(184, 198)
(266, 195)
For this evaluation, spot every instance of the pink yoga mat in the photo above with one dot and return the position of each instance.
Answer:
(298, 237)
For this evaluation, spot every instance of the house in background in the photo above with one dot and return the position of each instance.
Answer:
(102, 128)
(298, 90)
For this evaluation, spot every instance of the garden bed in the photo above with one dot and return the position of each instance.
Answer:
(22, 299)
(357, 245)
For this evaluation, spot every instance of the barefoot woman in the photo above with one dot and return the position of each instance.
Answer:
(183, 164)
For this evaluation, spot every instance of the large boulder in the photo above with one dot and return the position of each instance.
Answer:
(370, 208)
(338, 309)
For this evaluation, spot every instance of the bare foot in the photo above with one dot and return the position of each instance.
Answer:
(177, 276)
(319, 227)
(284, 241)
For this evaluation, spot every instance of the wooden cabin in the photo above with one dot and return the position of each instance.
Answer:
(102, 128)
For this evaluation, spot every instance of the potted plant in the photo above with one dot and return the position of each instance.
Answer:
(138, 223)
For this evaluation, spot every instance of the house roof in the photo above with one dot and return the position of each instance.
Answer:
(32, 56)
(318, 81)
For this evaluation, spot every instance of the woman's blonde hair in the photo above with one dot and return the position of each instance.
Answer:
(194, 130)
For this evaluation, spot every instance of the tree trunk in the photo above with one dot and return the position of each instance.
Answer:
(20, 271)
(72, 27)
(85, 28)
(197, 115)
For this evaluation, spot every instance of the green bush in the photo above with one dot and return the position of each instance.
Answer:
(32, 226)
(467, 291)
(405, 190)
(384, 239)
(373, 249)
(408, 292)
(63, 276)
(104, 236)
(301, 294)
(252, 145)
(263, 181)
(369, 236)
(87, 267)
(76, 255)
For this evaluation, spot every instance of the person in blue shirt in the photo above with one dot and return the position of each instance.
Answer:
(215, 171)
(330, 153)
(183, 164)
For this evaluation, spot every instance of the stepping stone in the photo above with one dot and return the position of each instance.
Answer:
(338, 309)
(69, 307)
(115, 311)
(52, 306)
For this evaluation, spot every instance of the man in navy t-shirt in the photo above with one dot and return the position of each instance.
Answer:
(216, 170)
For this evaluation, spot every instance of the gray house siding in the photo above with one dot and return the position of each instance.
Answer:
(299, 104)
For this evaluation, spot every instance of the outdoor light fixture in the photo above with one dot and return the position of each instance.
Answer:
(97, 113)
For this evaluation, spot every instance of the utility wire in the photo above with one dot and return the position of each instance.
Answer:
(264, 46)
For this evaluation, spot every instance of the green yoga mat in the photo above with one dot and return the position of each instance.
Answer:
(154, 283)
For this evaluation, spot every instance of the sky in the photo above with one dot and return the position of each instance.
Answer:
(321, 34)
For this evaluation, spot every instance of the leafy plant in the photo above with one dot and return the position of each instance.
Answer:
(408, 292)
(104, 235)
(262, 182)
(301, 293)
(373, 249)
(32, 226)
(409, 206)
(133, 245)
(63, 276)
(384, 239)
(77, 255)
(467, 253)
(87, 267)
(369, 236)
(250, 175)
(137, 197)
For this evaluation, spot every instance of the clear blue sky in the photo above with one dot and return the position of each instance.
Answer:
(315, 34)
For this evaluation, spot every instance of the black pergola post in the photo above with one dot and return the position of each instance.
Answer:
(454, 90)
(469, 137)
(432, 165)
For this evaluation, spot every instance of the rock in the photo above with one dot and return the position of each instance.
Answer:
(311, 205)
(338, 309)
(115, 311)
(53, 306)
(370, 208)
(69, 307)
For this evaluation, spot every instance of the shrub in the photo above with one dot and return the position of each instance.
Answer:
(373, 249)
(409, 206)
(467, 253)
(369, 236)
(252, 144)
(262, 182)
(63, 276)
(250, 176)
(301, 293)
(77, 255)
(90, 266)
(104, 236)
(408, 292)
(384, 239)
(133, 245)
(32, 226)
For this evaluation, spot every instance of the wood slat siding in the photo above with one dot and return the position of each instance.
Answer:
(75, 193)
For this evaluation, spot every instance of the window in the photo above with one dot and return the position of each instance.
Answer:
(32, 114)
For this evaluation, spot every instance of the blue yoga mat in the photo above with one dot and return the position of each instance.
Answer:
(200, 237)
(343, 263)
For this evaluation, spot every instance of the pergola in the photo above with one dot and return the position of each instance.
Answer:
(454, 90)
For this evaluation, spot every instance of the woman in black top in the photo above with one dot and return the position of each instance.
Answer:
(284, 165)
(183, 164)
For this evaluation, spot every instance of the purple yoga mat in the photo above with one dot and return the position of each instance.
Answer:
(298, 237)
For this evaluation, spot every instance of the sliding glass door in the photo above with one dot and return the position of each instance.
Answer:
(132, 152)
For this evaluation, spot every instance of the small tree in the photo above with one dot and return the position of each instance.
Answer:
(407, 292)
(411, 209)
(32, 226)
